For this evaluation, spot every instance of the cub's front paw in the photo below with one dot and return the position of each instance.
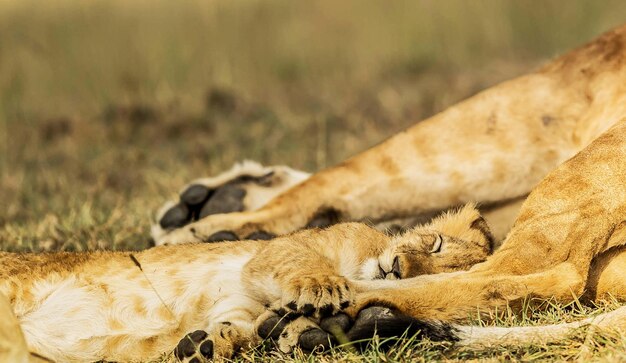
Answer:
(195, 347)
(317, 295)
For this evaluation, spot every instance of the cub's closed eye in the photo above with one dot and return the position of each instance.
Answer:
(437, 245)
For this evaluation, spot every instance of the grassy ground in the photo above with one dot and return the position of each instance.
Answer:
(108, 107)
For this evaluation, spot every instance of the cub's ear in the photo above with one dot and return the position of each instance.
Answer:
(480, 224)
(618, 235)
(465, 224)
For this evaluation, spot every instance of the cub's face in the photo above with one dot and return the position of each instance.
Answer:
(453, 241)
(425, 253)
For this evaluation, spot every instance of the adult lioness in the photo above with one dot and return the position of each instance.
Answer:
(569, 239)
(494, 147)
(117, 306)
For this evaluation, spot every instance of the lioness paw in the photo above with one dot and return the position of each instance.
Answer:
(288, 332)
(245, 187)
(318, 295)
(194, 347)
(217, 228)
(222, 341)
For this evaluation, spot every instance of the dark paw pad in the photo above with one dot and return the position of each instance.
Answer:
(316, 339)
(307, 309)
(222, 236)
(195, 194)
(194, 347)
(206, 349)
(291, 305)
(337, 324)
(199, 201)
(287, 314)
(272, 327)
(226, 199)
(175, 217)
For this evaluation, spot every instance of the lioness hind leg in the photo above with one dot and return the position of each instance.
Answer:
(245, 187)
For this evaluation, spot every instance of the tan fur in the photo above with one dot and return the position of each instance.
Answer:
(12, 344)
(493, 147)
(567, 240)
(101, 305)
(465, 242)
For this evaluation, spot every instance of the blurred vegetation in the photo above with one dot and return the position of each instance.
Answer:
(108, 107)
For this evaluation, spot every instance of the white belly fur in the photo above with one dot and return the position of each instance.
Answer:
(86, 319)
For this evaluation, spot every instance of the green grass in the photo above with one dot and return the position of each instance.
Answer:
(582, 346)
(108, 107)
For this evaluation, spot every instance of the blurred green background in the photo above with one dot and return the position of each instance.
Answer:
(108, 107)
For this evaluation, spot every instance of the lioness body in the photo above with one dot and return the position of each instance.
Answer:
(496, 146)
(99, 305)
(568, 241)
(492, 148)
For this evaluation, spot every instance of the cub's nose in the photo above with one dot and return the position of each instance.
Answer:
(393, 274)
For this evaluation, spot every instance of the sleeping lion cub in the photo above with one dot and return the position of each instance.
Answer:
(202, 300)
